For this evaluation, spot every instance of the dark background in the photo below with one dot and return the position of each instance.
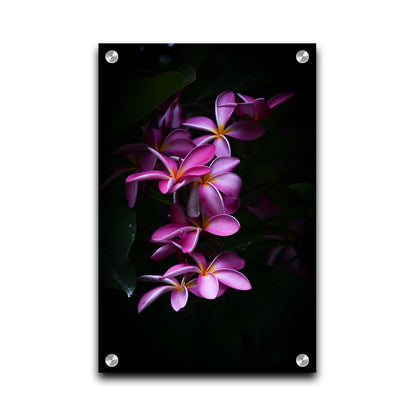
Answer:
(261, 330)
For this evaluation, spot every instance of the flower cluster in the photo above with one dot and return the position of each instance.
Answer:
(201, 169)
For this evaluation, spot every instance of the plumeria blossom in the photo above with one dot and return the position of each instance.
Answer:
(223, 269)
(242, 130)
(218, 191)
(221, 225)
(192, 166)
(258, 108)
(178, 298)
(176, 143)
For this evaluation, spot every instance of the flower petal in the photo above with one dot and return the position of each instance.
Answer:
(166, 186)
(168, 162)
(154, 278)
(177, 134)
(147, 176)
(168, 231)
(232, 278)
(256, 110)
(223, 114)
(208, 286)
(222, 147)
(151, 296)
(245, 130)
(162, 252)
(227, 260)
(279, 99)
(180, 269)
(231, 205)
(180, 147)
(148, 161)
(199, 259)
(193, 208)
(228, 183)
(222, 225)
(131, 149)
(201, 123)
(211, 199)
(198, 156)
(177, 215)
(131, 193)
(191, 240)
(195, 172)
(204, 139)
(178, 299)
(246, 98)
(117, 172)
(223, 165)
(193, 288)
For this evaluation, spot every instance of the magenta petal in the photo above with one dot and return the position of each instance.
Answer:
(198, 156)
(211, 199)
(117, 172)
(201, 123)
(148, 161)
(228, 183)
(191, 240)
(179, 298)
(279, 99)
(166, 186)
(246, 98)
(199, 259)
(222, 147)
(162, 252)
(231, 205)
(177, 215)
(153, 278)
(180, 269)
(208, 286)
(180, 147)
(147, 176)
(178, 134)
(223, 165)
(195, 172)
(193, 208)
(256, 110)
(245, 130)
(131, 149)
(169, 163)
(222, 225)
(232, 278)
(227, 260)
(168, 231)
(131, 193)
(223, 114)
(204, 139)
(152, 295)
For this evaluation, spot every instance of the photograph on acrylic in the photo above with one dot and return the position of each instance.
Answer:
(207, 208)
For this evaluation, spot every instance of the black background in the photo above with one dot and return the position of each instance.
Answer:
(262, 330)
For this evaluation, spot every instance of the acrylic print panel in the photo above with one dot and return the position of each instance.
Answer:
(207, 221)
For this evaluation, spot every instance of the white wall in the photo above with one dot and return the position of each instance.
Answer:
(48, 109)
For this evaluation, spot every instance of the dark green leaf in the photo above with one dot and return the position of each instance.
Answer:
(139, 95)
(117, 232)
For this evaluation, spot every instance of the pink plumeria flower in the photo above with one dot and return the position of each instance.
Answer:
(242, 130)
(176, 143)
(258, 108)
(221, 225)
(178, 298)
(218, 191)
(223, 269)
(192, 166)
